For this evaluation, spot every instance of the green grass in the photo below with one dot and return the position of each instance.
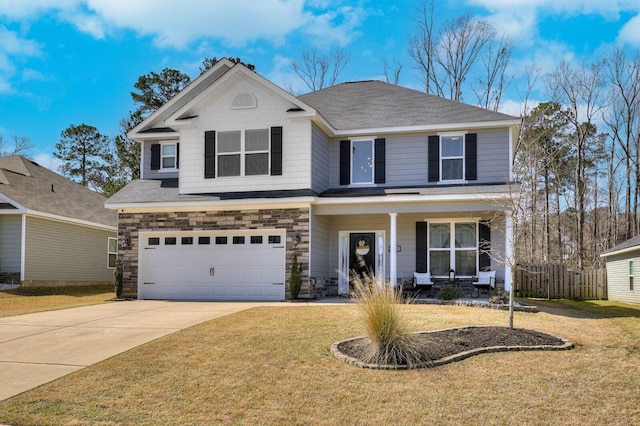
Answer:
(272, 365)
(28, 300)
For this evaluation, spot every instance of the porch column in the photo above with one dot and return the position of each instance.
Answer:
(393, 243)
(508, 249)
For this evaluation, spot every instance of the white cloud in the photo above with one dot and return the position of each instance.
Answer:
(48, 161)
(608, 8)
(177, 24)
(630, 32)
(11, 47)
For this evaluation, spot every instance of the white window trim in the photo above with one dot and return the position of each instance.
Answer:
(243, 153)
(371, 139)
(162, 157)
(462, 157)
(452, 248)
(109, 253)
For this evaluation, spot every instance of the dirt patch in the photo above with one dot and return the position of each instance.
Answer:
(445, 346)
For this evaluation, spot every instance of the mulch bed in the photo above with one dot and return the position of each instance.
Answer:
(445, 346)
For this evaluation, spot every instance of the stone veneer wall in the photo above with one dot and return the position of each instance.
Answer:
(295, 221)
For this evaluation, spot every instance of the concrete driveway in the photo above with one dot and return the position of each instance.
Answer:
(38, 348)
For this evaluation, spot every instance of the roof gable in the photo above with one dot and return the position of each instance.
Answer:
(375, 104)
(178, 110)
(40, 190)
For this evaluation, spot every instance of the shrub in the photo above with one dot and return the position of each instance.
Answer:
(499, 297)
(449, 293)
(295, 282)
(390, 342)
(118, 278)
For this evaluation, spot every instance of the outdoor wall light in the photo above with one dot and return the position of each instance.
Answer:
(295, 240)
(124, 243)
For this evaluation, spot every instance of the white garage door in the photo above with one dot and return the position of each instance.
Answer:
(238, 265)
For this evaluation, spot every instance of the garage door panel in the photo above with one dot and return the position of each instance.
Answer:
(213, 271)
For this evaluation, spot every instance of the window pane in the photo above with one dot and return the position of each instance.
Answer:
(187, 241)
(452, 169)
(465, 235)
(465, 262)
(204, 240)
(229, 141)
(362, 159)
(439, 262)
(452, 146)
(113, 245)
(439, 234)
(221, 240)
(170, 241)
(274, 239)
(256, 140)
(631, 268)
(256, 239)
(112, 261)
(169, 149)
(256, 164)
(154, 241)
(168, 162)
(229, 165)
(238, 240)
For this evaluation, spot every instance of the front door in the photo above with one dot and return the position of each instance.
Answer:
(362, 248)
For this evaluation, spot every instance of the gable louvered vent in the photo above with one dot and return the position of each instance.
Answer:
(244, 101)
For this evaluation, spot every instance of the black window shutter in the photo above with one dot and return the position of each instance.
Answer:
(345, 162)
(380, 172)
(177, 155)
(209, 154)
(155, 156)
(421, 247)
(484, 245)
(434, 158)
(471, 156)
(276, 151)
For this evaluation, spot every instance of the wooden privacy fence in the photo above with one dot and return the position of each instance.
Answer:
(556, 281)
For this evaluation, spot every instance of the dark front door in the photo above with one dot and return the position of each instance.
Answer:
(362, 249)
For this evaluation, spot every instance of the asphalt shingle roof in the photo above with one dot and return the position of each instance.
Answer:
(375, 104)
(39, 189)
(631, 242)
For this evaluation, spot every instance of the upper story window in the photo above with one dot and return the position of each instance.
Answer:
(453, 157)
(255, 152)
(243, 153)
(362, 161)
(165, 156)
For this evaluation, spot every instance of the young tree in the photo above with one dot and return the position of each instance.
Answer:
(319, 70)
(86, 155)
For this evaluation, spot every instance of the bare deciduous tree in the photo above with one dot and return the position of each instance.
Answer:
(20, 146)
(448, 56)
(319, 70)
(392, 72)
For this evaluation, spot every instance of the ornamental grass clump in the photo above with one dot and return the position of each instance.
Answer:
(389, 342)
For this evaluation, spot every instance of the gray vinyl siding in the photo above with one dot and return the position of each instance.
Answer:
(407, 159)
(319, 250)
(406, 238)
(320, 166)
(618, 277)
(10, 242)
(147, 173)
(58, 251)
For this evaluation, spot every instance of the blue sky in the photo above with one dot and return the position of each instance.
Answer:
(66, 62)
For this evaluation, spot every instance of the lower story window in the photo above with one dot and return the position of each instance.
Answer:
(453, 245)
(112, 251)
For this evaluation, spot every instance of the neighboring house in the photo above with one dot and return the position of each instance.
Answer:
(53, 231)
(238, 176)
(623, 264)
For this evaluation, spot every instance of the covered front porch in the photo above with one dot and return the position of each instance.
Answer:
(453, 240)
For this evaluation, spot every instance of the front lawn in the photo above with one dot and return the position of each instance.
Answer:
(27, 300)
(272, 365)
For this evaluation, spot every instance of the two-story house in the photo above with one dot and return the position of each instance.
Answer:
(238, 176)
